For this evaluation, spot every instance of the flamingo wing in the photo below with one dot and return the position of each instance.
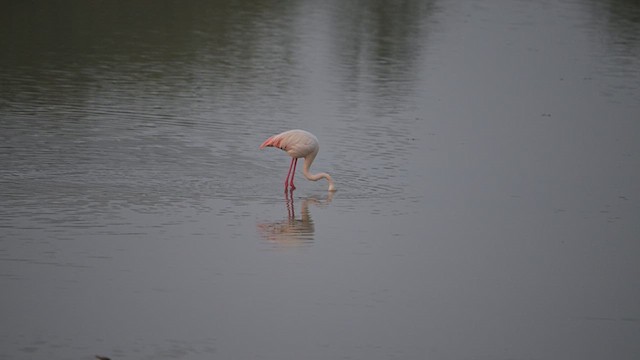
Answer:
(297, 143)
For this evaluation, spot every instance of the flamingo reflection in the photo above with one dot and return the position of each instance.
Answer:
(293, 232)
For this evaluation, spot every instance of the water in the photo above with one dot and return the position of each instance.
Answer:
(486, 157)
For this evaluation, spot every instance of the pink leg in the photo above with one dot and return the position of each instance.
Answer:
(293, 173)
(286, 180)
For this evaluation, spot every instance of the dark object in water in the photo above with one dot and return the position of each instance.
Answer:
(102, 357)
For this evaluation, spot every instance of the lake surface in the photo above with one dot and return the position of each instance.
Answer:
(486, 155)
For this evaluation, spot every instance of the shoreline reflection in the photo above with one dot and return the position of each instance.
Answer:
(293, 232)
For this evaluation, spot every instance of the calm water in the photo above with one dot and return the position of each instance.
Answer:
(486, 154)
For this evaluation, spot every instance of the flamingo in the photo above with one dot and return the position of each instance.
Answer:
(298, 144)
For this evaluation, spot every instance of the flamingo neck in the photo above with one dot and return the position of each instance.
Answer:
(315, 177)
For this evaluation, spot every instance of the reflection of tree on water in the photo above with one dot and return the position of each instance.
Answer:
(293, 231)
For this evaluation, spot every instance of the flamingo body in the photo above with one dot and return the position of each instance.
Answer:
(298, 144)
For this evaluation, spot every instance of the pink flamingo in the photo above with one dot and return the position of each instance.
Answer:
(298, 144)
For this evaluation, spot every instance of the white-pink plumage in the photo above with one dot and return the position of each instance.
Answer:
(298, 144)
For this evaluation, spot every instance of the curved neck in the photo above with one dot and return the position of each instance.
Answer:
(315, 177)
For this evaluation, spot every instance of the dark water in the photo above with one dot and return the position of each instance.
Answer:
(486, 154)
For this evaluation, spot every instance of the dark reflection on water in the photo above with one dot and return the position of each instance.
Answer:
(486, 157)
(615, 24)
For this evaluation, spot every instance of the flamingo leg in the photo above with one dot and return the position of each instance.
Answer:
(293, 173)
(286, 180)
